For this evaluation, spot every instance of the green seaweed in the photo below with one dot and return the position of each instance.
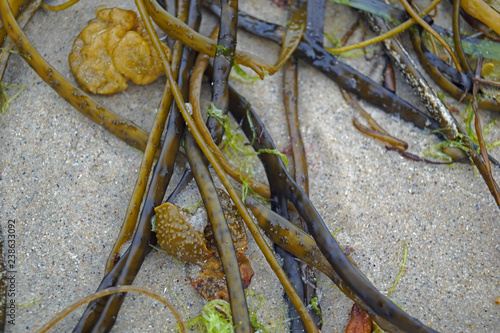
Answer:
(5, 98)
(215, 318)
(235, 148)
(401, 270)
(315, 306)
(239, 74)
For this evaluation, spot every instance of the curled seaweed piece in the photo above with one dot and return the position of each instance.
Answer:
(122, 128)
(396, 143)
(378, 303)
(114, 291)
(347, 77)
(178, 238)
(221, 234)
(375, 129)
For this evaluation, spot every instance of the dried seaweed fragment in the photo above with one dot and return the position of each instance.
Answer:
(360, 321)
(179, 239)
(112, 49)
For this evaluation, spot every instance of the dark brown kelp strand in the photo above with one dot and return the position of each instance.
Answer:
(223, 62)
(101, 314)
(289, 263)
(222, 235)
(381, 305)
(122, 128)
(315, 21)
(347, 77)
(290, 99)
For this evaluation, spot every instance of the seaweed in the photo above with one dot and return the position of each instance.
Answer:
(284, 192)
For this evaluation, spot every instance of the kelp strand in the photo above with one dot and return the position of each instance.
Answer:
(22, 20)
(442, 81)
(16, 7)
(222, 235)
(431, 31)
(231, 170)
(315, 21)
(290, 95)
(456, 35)
(223, 62)
(302, 273)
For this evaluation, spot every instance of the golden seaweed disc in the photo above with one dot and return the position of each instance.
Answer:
(112, 49)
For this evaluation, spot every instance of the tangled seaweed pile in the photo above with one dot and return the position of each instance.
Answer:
(321, 250)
